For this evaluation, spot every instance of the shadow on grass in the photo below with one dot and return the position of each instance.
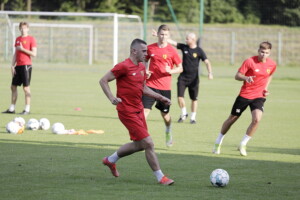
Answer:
(65, 170)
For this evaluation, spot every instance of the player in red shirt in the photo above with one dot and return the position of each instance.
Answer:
(130, 76)
(21, 67)
(256, 72)
(162, 57)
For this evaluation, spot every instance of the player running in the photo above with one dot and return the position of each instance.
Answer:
(130, 76)
(256, 73)
(164, 61)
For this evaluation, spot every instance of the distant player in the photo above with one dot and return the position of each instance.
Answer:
(21, 68)
(130, 76)
(164, 61)
(189, 78)
(256, 73)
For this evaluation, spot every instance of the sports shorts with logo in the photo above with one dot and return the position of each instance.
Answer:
(22, 75)
(149, 101)
(135, 123)
(241, 104)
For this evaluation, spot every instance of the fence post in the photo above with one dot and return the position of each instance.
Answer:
(232, 52)
(279, 60)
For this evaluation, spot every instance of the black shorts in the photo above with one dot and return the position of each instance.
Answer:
(149, 101)
(22, 75)
(191, 84)
(241, 104)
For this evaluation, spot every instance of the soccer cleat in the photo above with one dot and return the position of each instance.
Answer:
(242, 149)
(193, 121)
(111, 166)
(169, 139)
(166, 181)
(182, 118)
(217, 149)
(8, 112)
(24, 113)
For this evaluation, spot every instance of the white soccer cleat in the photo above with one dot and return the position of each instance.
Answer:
(217, 149)
(242, 149)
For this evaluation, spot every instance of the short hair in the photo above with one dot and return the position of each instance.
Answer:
(265, 45)
(23, 24)
(136, 42)
(163, 27)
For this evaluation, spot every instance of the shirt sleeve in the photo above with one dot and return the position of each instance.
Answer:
(180, 46)
(118, 70)
(175, 58)
(202, 54)
(245, 67)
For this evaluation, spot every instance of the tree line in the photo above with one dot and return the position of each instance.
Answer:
(280, 12)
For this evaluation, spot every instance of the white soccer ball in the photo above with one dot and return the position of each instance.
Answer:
(44, 124)
(58, 128)
(14, 128)
(219, 178)
(33, 124)
(20, 121)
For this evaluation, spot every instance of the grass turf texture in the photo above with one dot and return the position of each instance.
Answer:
(41, 165)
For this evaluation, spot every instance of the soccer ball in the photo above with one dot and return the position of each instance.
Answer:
(219, 178)
(20, 121)
(33, 124)
(14, 128)
(44, 124)
(58, 128)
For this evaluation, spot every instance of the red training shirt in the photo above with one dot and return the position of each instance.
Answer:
(28, 43)
(130, 85)
(159, 59)
(261, 71)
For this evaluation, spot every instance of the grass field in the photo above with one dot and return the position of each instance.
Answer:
(41, 165)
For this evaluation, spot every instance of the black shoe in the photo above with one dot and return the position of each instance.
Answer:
(182, 118)
(193, 121)
(8, 112)
(24, 113)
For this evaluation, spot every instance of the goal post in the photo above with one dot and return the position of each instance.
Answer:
(99, 37)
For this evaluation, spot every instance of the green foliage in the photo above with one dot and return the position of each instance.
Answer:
(282, 12)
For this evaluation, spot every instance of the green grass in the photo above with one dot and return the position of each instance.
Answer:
(41, 165)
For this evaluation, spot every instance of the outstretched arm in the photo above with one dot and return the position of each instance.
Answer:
(170, 41)
(151, 93)
(109, 76)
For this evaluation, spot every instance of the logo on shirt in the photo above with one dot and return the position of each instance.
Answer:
(165, 56)
(186, 52)
(195, 55)
(133, 74)
(268, 71)
(24, 42)
(257, 70)
(152, 55)
(237, 110)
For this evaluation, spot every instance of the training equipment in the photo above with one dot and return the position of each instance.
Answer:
(20, 121)
(58, 128)
(111, 166)
(14, 128)
(166, 181)
(219, 178)
(44, 124)
(33, 124)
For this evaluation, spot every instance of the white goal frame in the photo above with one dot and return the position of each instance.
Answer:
(115, 24)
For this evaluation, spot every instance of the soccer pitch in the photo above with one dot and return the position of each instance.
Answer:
(41, 165)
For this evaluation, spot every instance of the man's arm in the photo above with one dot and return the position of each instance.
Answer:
(176, 70)
(32, 52)
(209, 69)
(13, 64)
(241, 77)
(109, 76)
(266, 92)
(148, 92)
(170, 41)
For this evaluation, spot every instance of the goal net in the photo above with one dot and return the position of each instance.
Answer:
(72, 37)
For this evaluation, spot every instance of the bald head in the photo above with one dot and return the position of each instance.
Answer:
(191, 39)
